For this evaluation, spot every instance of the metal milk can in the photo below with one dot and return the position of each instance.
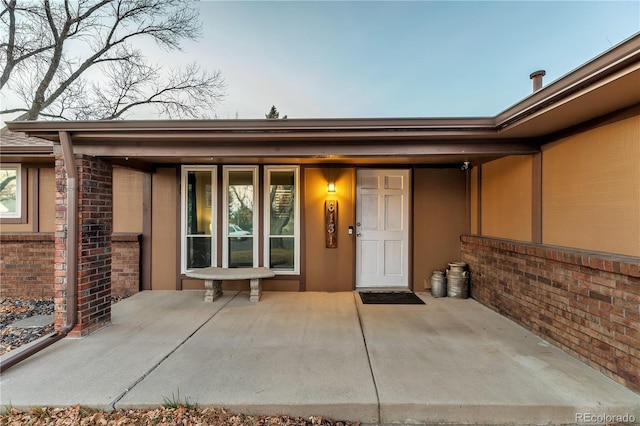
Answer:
(438, 284)
(458, 280)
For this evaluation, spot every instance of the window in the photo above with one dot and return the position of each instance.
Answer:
(198, 217)
(10, 191)
(240, 242)
(244, 233)
(282, 224)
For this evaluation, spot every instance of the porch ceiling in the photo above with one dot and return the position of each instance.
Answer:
(309, 151)
(428, 160)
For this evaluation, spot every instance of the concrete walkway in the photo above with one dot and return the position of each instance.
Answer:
(327, 354)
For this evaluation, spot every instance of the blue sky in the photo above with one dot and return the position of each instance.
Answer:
(395, 59)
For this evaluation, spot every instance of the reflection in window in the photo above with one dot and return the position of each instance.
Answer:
(199, 219)
(282, 218)
(241, 199)
(10, 191)
(198, 252)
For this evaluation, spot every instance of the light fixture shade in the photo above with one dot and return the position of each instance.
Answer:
(331, 187)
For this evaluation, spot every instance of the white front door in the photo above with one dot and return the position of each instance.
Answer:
(382, 231)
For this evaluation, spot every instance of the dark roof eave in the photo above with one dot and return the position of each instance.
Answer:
(624, 56)
(27, 150)
(296, 128)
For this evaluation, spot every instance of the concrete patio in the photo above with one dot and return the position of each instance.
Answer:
(327, 354)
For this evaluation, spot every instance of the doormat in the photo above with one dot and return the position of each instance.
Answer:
(390, 298)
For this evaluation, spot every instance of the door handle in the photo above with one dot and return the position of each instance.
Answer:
(358, 234)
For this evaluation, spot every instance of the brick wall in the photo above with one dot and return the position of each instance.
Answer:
(125, 264)
(26, 265)
(95, 218)
(587, 303)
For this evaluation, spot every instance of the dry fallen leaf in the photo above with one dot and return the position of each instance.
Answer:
(190, 416)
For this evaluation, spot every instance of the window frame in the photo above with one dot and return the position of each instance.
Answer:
(184, 182)
(225, 212)
(267, 214)
(20, 215)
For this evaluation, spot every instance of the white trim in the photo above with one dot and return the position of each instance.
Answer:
(18, 213)
(225, 212)
(183, 214)
(267, 208)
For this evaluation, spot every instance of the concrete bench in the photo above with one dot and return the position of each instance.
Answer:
(213, 278)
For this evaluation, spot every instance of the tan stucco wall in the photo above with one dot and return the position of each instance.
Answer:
(591, 189)
(127, 200)
(506, 198)
(474, 200)
(329, 269)
(165, 242)
(439, 218)
(47, 200)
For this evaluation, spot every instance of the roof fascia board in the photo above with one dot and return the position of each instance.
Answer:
(48, 128)
(156, 136)
(29, 149)
(571, 96)
(625, 54)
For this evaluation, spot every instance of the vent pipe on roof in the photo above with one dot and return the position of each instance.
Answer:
(536, 76)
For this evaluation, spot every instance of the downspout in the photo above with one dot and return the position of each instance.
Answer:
(72, 232)
(72, 259)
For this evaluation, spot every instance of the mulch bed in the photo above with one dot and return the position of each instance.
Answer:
(160, 416)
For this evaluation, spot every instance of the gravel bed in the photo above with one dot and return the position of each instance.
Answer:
(12, 310)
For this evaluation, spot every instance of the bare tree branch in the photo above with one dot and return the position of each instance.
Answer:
(12, 110)
(10, 45)
(38, 67)
(182, 93)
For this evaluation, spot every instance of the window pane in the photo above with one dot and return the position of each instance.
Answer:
(282, 201)
(199, 203)
(240, 252)
(198, 252)
(241, 202)
(8, 191)
(281, 254)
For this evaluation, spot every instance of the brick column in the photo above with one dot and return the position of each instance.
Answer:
(95, 220)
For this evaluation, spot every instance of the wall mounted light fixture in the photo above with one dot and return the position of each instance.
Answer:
(331, 187)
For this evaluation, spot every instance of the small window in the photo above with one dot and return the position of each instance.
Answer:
(198, 217)
(11, 196)
(282, 223)
(240, 244)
